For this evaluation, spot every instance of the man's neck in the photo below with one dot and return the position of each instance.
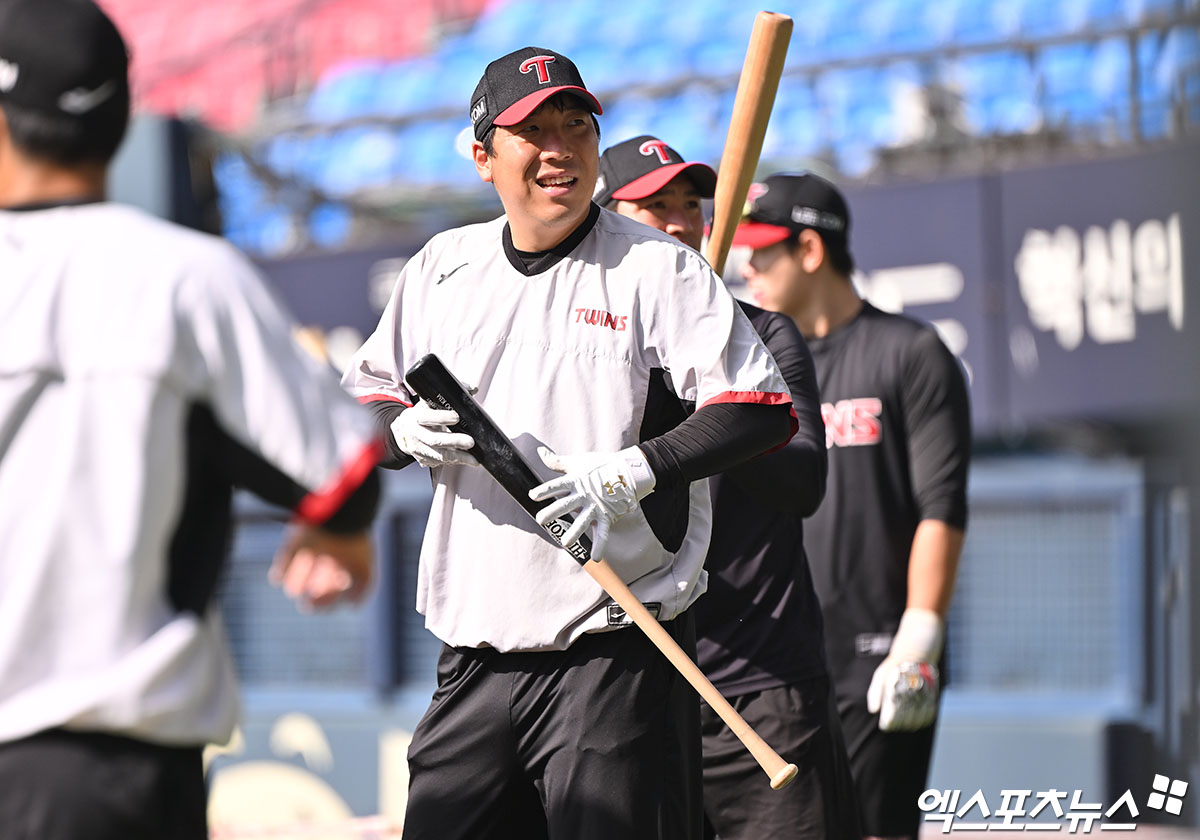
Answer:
(832, 303)
(534, 237)
(25, 182)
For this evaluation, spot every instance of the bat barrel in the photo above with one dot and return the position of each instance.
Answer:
(747, 127)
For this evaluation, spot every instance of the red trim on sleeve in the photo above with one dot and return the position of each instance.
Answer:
(321, 504)
(370, 398)
(761, 398)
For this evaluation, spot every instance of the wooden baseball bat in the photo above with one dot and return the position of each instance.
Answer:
(496, 453)
(747, 127)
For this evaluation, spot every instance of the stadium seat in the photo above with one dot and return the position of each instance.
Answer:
(329, 225)
(688, 121)
(701, 19)
(722, 57)
(809, 46)
(1098, 15)
(429, 156)
(1180, 54)
(1065, 73)
(571, 25)
(239, 196)
(984, 21)
(906, 26)
(796, 127)
(1152, 11)
(1110, 84)
(345, 92)
(628, 24)
(795, 132)
(850, 34)
(855, 157)
(1000, 91)
(406, 87)
(852, 100)
(1040, 19)
(626, 117)
(357, 158)
(285, 154)
(273, 233)
(510, 21)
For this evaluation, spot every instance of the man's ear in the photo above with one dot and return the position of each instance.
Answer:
(483, 163)
(811, 249)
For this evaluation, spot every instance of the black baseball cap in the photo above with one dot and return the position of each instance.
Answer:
(783, 205)
(642, 166)
(62, 57)
(514, 85)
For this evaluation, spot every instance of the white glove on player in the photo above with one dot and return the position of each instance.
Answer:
(422, 431)
(600, 487)
(904, 688)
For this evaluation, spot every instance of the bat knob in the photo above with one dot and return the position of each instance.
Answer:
(784, 777)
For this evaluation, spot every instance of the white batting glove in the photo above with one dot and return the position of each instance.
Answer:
(597, 488)
(422, 431)
(904, 688)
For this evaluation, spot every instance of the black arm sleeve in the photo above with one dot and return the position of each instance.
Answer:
(247, 469)
(359, 509)
(938, 418)
(791, 479)
(715, 438)
(386, 412)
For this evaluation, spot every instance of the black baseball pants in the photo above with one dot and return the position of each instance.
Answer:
(65, 785)
(596, 742)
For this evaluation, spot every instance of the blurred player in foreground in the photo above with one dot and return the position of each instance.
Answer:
(144, 371)
(553, 716)
(885, 544)
(759, 637)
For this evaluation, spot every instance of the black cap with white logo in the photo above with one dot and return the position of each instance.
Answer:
(783, 205)
(62, 57)
(514, 85)
(642, 166)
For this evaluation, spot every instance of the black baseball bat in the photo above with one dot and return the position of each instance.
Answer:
(435, 384)
(496, 453)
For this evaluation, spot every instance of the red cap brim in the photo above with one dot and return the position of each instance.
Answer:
(526, 105)
(759, 235)
(652, 182)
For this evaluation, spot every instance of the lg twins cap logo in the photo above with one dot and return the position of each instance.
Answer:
(539, 62)
(8, 75)
(655, 147)
(757, 190)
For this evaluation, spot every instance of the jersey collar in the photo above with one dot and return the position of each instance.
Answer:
(530, 263)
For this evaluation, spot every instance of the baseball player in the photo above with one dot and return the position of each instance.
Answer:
(582, 331)
(885, 544)
(759, 635)
(144, 371)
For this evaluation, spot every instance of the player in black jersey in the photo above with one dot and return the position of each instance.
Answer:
(885, 543)
(759, 636)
